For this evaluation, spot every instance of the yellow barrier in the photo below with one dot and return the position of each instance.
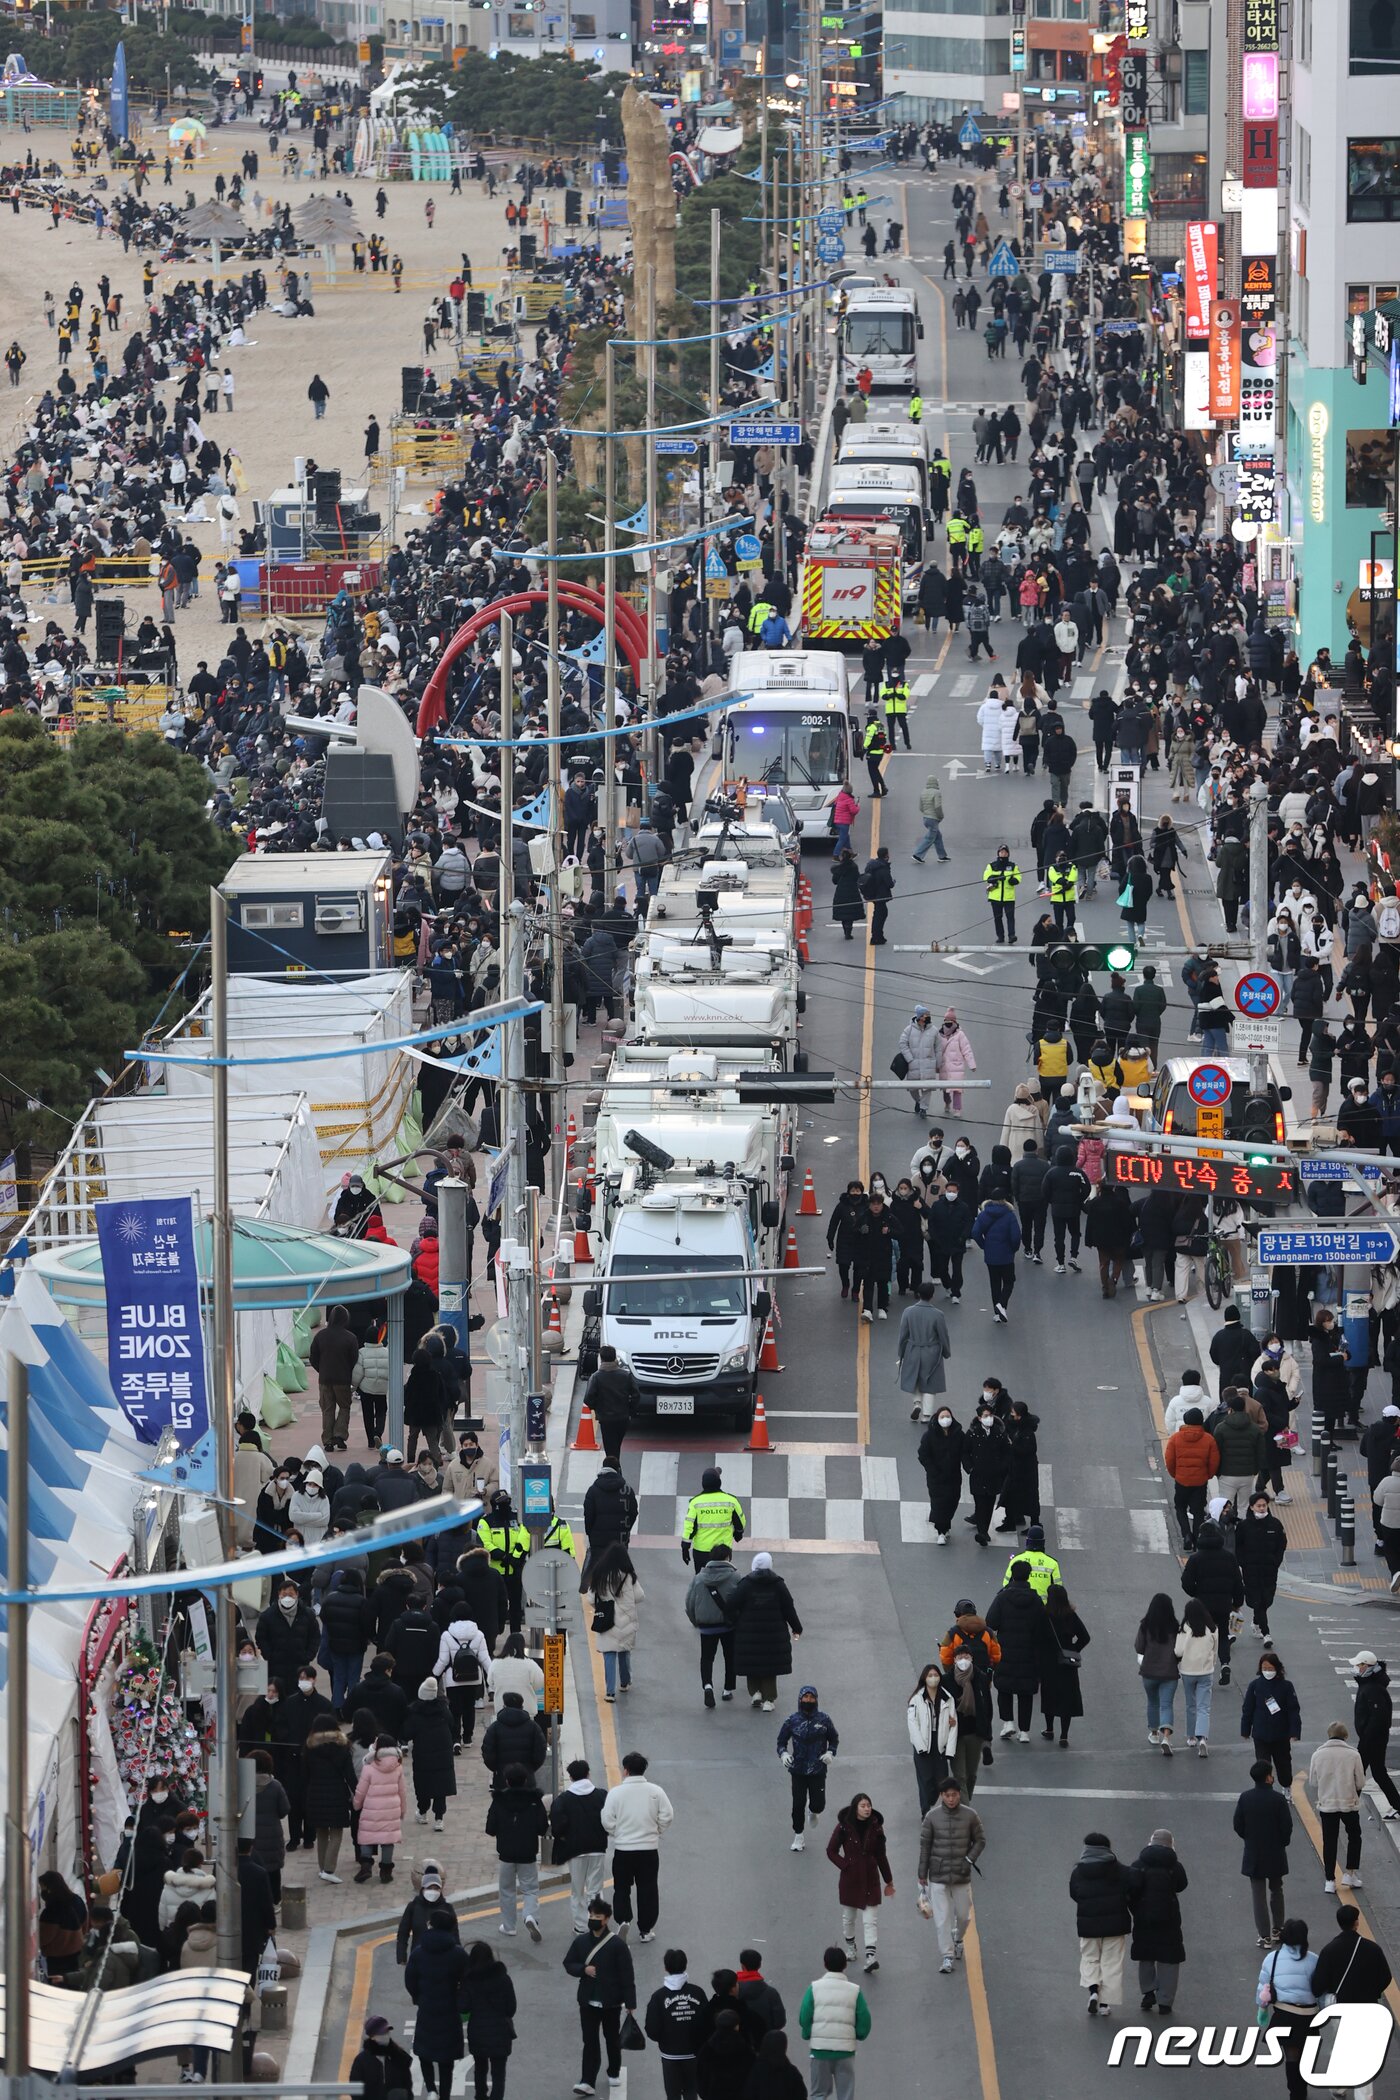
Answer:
(132, 707)
(114, 572)
(428, 448)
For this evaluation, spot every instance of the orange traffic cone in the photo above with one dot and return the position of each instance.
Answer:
(590, 1179)
(758, 1434)
(808, 1207)
(582, 1250)
(768, 1355)
(790, 1259)
(571, 1133)
(587, 1438)
(556, 1324)
(801, 939)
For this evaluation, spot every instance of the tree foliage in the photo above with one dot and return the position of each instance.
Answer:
(105, 853)
(560, 103)
(739, 204)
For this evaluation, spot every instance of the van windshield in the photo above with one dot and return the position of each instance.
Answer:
(687, 1298)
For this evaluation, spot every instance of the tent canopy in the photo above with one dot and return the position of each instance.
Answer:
(274, 1268)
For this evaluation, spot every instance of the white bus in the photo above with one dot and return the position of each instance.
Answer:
(862, 488)
(881, 331)
(887, 445)
(792, 729)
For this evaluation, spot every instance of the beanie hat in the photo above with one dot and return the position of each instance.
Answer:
(428, 1689)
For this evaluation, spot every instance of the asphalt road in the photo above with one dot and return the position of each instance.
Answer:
(844, 1509)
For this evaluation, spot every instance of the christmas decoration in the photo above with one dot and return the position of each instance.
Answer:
(154, 1741)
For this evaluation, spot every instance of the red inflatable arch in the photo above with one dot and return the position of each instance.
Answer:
(573, 597)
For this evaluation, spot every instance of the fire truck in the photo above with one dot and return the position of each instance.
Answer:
(852, 582)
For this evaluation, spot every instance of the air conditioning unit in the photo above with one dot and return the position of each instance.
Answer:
(340, 914)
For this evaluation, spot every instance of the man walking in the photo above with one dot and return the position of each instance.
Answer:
(1264, 1821)
(712, 1518)
(835, 2019)
(1337, 1777)
(636, 1815)
(607, 1987)
(951, 1841)
(613, 1394)
(931, 810)
(678, 2020)
(1003, 878)
(580, 1841)
(807, 1742)
(1098, 1887)
(1372, 1715)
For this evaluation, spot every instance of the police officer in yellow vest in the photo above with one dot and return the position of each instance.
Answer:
(894, 698)
(712, 1519)
(759, 611)
(558, 1533)
(976, 541)
(875, 746)
(1003, 879)
(916, 408)
(1062, 877)
(1052, 1060)
(957, 539)
(507, 1543)
(861, 201)
(848, 206)
(1044, 1567)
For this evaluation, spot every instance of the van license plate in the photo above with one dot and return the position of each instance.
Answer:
(675, 1404)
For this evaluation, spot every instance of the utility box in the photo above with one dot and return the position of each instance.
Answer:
(302, 912)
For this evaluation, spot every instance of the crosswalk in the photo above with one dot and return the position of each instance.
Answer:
(848, 1498)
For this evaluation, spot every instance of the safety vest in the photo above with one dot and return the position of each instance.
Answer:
(507, 1546)
(873, 740)
(1002, 882)
(943, 467)
(848, 202)
(1052, 1059)
(712, 1519)
(957, 531)
(1106, 1075)
(1044, 1568)
(861, 200)
(894, 697)
(558, 1534)
(916, 408)
(1136, 1071)
(976, 539)
(758, 613)
(1064, 884)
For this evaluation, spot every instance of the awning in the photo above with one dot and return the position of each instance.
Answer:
(188, 2009)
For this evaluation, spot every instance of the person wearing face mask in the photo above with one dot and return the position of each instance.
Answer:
(275, 1511)
(857, 1847)
(843, 1228)
(288, 1632)
(950, 1220)
(941, 1456)
(919, 1048)
(933, 1733)
(1337, 1777)
(955, 1058)
(873, 1260)
(1270, 1715)
(328, 1794)
(907, 1220)
(807, 1742)
(1372, 1716)
(302, 1712)
(602, 1961)
(1260, 1545)
(309, 1509)
(969, 1652)
(986, 1459)
(382, 2067)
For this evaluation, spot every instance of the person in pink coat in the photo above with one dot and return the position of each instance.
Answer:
(382, 1800)
(955, 1061)
(844, 813)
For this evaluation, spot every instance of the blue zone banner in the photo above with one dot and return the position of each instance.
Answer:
(155, 1339)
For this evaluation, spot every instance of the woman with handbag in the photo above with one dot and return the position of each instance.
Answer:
(933, 1733)
(616, 1593)
(1061, 1700)
(1287, 1999)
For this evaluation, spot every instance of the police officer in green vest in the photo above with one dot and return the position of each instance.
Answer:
(507, 1543)
(759, 611)
(557, 1533)
(976, 541)
(957, 539)
(1044, 1567)
(916, 408)
(940, 476)
(712, 1519)
(894, 698)
(861, 201)
(1062, 878)
(875, 748)
(848, 205)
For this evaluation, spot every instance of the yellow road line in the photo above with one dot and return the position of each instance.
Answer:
(981, 2012)
(1307, 1816)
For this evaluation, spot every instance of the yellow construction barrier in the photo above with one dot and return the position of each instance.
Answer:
(428, 449)
(113, 572)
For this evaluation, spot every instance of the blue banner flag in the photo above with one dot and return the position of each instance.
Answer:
(155, 1340)
(118, 103)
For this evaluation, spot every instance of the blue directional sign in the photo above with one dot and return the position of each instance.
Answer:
(714, 567)
(1369, 1246)
(758, 432)
(1003, 262)
(683, 448)
(1061, 262)
(970, 135)
(748, 547)
(1209, 1085)
(1258, 994)
(830, 248)
(830, 219)
(1314, 1169)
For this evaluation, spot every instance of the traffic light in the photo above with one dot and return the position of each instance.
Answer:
(1072, 961)
(1261, 1123)
(1112, 955)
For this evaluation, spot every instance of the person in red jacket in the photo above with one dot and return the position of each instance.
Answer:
(1193, 1459)
(426, 1255)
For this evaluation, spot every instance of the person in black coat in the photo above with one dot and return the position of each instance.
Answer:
(842, 1230)
(609, 1511)
(383, 2067)
(301, 1713)
(427, 1903)
(288, 1634)
(436, 1973)
(257, 1911)
(150, 1857)
(429, 1729)
(1233, 1350)
(1020, 1494)
(484, 1591)
(1260, 1544)
(488, 2009)
(413, 1640)
(1351, 1969)
(1264, 1821)
(517, 1819)
(1028, 1648)
(1213, 1574)
(1061, 1698)
(1373, 1715)
(329, 1797)
(514, 1738)
(378, 1694)
(607, 1986)
(765, 1620)
(347, 1620)
(986, 1461)
(940, 1455)
(950, 1221)
(1099, 1886)
(1269, 1713)
(1154, 1893)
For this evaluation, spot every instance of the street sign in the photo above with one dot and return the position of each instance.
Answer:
(1125, 786)
(550, 1582)
(830, 219)
(1249, 1032)
(1369, 1246)
(1209, 1087)
(1061, 262)
(1313, 1169)
(1258, 994)
(496, 1186)
(553, 1664)
(1210, 1123)
(677, 448)
(748, 550)
(714, 567)
(830, 248)
(1003, 262)
(759, 432)
(1225, 480)
(970, 135)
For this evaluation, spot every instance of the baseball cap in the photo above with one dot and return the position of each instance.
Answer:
(393, 1456)
(1363, 1660)
(376, 2024)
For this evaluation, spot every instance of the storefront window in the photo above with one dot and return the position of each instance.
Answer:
(1370, 458)
(1373, 178)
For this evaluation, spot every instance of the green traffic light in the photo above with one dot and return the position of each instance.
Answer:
(1119, 958)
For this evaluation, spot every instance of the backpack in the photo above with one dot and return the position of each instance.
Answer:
(1388, 919)
(465, 1669)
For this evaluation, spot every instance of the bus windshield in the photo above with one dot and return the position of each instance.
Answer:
(798, 749)
(880, 334)
(687, 1298)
